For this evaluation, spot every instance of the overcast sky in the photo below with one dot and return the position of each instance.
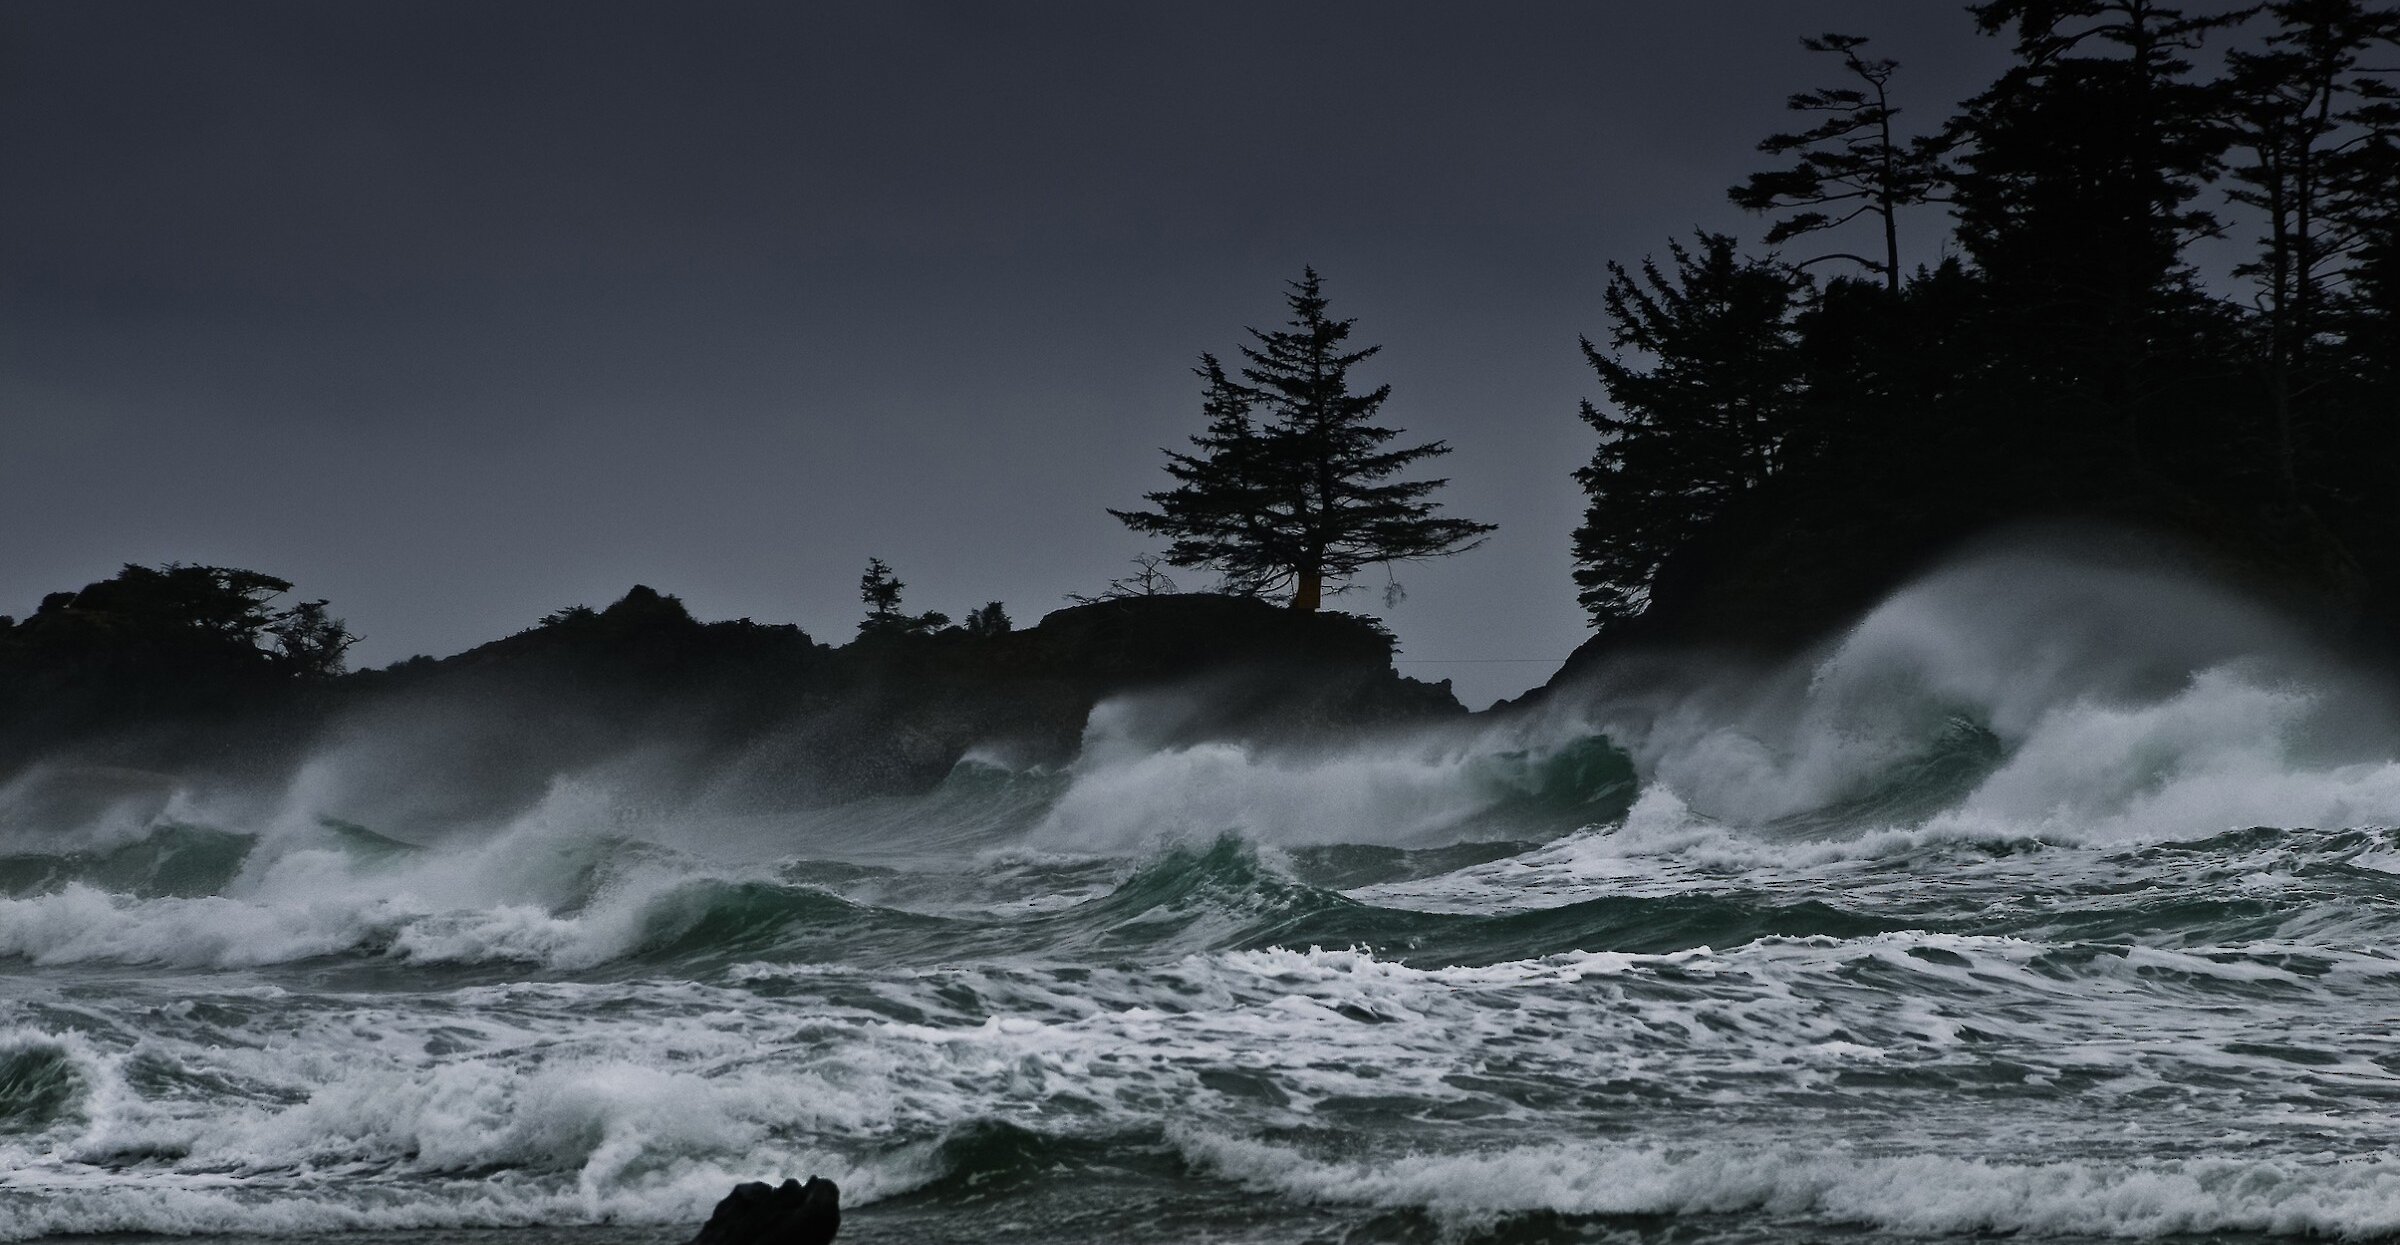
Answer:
(457, 313)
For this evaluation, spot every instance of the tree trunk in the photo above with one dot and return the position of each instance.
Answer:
(1887, 200)
(1311, 591)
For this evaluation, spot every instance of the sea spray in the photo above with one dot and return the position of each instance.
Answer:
(2119, 703)
(2008, 911)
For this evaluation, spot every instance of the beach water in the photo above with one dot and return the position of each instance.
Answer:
(2051, 901)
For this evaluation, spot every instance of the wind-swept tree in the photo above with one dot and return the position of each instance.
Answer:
(311, 641)
(1703, 380)
(1851, 163)
(163, 640)
(1292, 486)
(2080, 164)
(192, 618)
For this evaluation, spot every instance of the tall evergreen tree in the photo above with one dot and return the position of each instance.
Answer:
(1707, 419)
(2074, 192)
(880, 589)
(2369, 338)
(1851, 162)
(1310, 493)
(1223, 511)
(2306, 120)
(1769, 441)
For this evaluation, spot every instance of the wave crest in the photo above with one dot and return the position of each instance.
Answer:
(1920, 1193)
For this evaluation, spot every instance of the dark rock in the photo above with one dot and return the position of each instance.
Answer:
(791, 1213)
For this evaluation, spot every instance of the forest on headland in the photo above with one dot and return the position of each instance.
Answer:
(2167, 299)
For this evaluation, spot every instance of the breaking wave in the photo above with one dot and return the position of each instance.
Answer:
(2051, 900)
(1919, 1193)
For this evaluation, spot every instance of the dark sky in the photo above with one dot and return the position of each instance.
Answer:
(457, 313)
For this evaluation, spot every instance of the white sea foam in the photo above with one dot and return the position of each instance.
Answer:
(2083, 1015)
(235, 1204)
(638, 1101)
(1130, 791)
(2113, 724)
(274, 925)
(304, 892)
(2130, 705)
(489, 1106)
(2226, 750)
(1918, 1193)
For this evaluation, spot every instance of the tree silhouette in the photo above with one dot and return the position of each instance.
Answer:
(161, 641)
(192, 617)
(1703, 422)
(990, 620)
(1146, 581)
(2305, 118)
(1222, 511)
(2074, 189)
(880, 589)
(1291, 486)
(310, 641)
(1773, 451)
(1850, 162)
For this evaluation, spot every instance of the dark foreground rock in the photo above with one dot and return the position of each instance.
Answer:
(791, 1213)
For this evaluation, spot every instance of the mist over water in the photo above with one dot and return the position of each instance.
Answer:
(2053, 898)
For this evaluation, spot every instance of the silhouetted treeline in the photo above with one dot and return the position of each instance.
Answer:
(160, 641)
(194, 672)
(1788, 435)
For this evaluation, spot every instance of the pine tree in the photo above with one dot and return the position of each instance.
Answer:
(1851, 161)
(2306, 117)
(880, 589)
(2074, 192)
(1222, 511)
(1308, 495)
(1707, 420)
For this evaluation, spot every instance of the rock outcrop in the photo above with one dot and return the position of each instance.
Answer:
(791, 1213)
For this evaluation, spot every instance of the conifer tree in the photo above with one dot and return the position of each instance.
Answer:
(2306, 120)
(2075, 185)
(1222, 511)
(1308, 492)
(1705, 421)
(2072, 360)
(880, 589)
(1851, 162)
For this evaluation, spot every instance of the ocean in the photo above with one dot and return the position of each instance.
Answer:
(2052, 902)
